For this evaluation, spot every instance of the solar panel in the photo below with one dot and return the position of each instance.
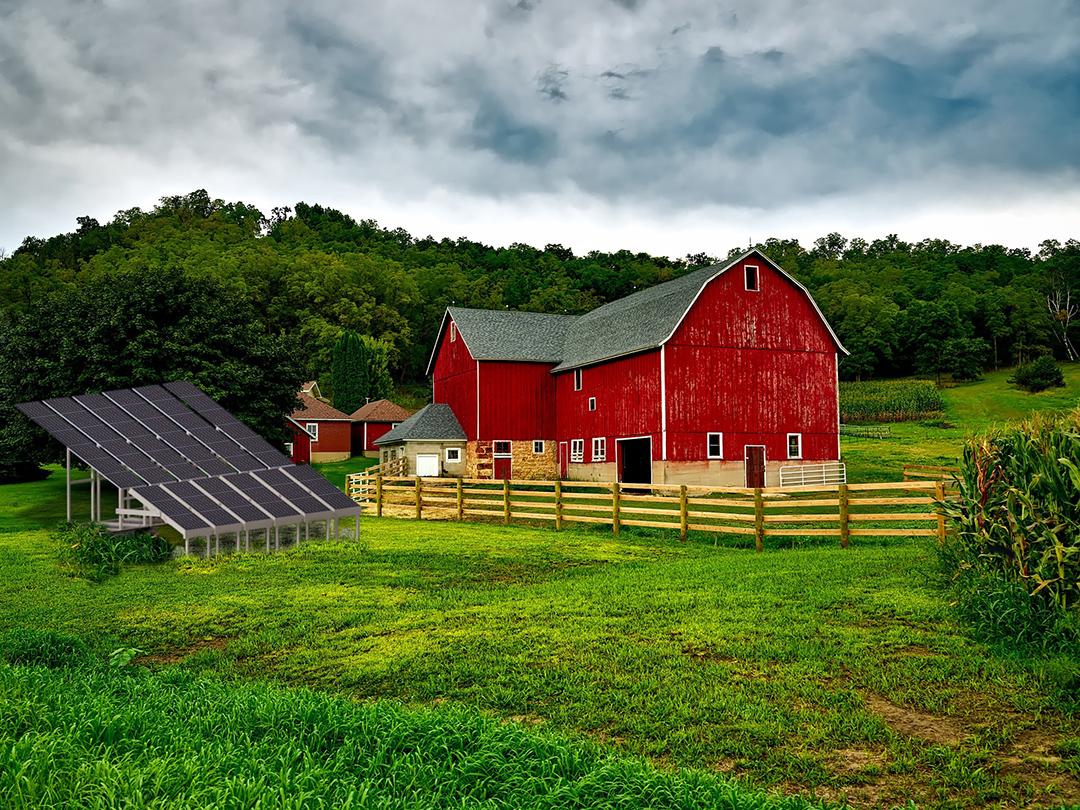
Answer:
(320, 486)
(202, 504)
(171, 508)
(258, 492)
(231, 499)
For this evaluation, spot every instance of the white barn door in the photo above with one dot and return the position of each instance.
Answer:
(427, 465)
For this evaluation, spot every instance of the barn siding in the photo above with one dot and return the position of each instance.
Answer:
(627, 392)
(454, 381)
(754, 366)
(374, 431)
(517, 401)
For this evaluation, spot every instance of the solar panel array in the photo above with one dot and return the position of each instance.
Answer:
(187, 457)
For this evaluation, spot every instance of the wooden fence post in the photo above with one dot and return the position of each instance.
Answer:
(845, 528)
(759, 521)
(939, 492)
(558, 506)
(460, 500)
(419, 499)
(378, 494)
(615, 521)
(683, 517)
(506, 501)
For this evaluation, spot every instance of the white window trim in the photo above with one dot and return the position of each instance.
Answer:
(502, 455)
(538, 443)
(708, 442)
(757, 277)
(457, 455)
(577, 379)
(788, 447)
(577, 451)
(599, 449)
(289, 449)
(453, 332)
(592, 403)
(392, 425)
(314, 434)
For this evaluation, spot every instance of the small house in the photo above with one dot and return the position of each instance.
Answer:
(372, 421)
(328, 432)
(432, 440)
(311, 388)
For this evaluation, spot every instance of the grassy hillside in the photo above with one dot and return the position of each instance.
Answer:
(969, 408)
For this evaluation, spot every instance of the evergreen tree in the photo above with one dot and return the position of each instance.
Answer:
(375, 368)
(347, 373)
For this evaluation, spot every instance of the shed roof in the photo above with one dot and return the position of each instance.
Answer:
(381, 410)
(434, 422)
(314, 410)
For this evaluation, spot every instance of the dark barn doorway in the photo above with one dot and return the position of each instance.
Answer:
(635, 460)
(755, 465)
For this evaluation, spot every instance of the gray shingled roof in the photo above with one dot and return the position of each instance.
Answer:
(641, 321)
(431, 423)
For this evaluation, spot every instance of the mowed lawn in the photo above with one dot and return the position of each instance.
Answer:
(832, 673)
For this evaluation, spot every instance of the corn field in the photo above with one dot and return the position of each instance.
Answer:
(889, 401)
(1015, 550)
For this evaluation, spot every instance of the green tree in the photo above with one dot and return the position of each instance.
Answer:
(375, 381)
(347, 373)
(136, 327)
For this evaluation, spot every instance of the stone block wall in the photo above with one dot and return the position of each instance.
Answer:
(480, 461)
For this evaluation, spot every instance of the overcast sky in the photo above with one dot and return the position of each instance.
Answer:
(672, 126)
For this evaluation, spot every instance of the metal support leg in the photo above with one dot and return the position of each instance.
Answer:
(187, 547)
(67, 466)
(120, 504)
(277, 538)
(208, 546)
(327, 529)
(267, 539)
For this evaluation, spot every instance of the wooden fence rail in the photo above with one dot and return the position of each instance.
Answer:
(888, 509)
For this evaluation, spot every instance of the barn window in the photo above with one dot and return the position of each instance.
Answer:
(577, 450)
(752, 281)
(313, 430)
(577, 379)
(453, 331)
(453, 454)
(599, 449)
(538, 446)
(794, 445)
(715, 445)
(592, 403)
(502, 448)
(394, 425)
(288, 449)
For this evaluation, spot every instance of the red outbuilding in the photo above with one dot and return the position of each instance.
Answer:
(725, 375)
(373, 420)
(327, 432)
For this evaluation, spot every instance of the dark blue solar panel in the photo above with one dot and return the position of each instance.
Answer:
(170, 507)
(230, 498)
(202, 504)
(320, 486)
(268, 500)
(290, 490)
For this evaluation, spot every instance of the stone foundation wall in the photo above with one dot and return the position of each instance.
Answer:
(479, 461)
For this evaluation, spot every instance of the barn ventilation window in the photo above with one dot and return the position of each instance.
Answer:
(453, 331)
(577, 450)
(715, 445)
(538, 446)
(288, 449)
(752, 281)
(599, 449)
(577, 379)
(313, 430)
(592, 403)
(794, 445)
(453, 454)
(502, 448)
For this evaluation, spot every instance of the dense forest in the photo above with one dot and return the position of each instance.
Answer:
(309, 272)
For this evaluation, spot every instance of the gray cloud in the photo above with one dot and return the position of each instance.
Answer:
(667, 106)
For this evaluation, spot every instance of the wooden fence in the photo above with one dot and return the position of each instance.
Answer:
(929, 472)
(894, 509)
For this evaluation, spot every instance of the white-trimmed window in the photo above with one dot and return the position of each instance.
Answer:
(313, 430)
(453, 331)
(599, 449)
(394, 425)
(751, 277)
(453, 455)
(794, 445)
(714, 445)
(577, 451)
(288, 449)
(501, 447)
(538, 447)
(592, 403)
(577, 379)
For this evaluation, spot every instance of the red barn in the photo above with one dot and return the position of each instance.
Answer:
(373, 420)
(329, 432)
(722, 376)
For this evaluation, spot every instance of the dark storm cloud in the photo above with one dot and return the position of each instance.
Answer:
(672, 105)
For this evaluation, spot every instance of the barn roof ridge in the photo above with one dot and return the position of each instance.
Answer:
(435, 422)
(638, 322)
(380, 410)
(316, 410)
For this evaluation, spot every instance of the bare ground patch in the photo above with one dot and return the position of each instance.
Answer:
(913, 723)
(175, 655)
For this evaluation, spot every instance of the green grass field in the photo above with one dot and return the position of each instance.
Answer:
(485, 665)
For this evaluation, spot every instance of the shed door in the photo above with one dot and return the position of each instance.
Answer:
(755, 465)
(503, 467)
(428, 465)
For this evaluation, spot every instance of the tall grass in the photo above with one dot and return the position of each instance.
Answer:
(100, 738)
(889, 401)
(1014, 555)
(90, 551)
